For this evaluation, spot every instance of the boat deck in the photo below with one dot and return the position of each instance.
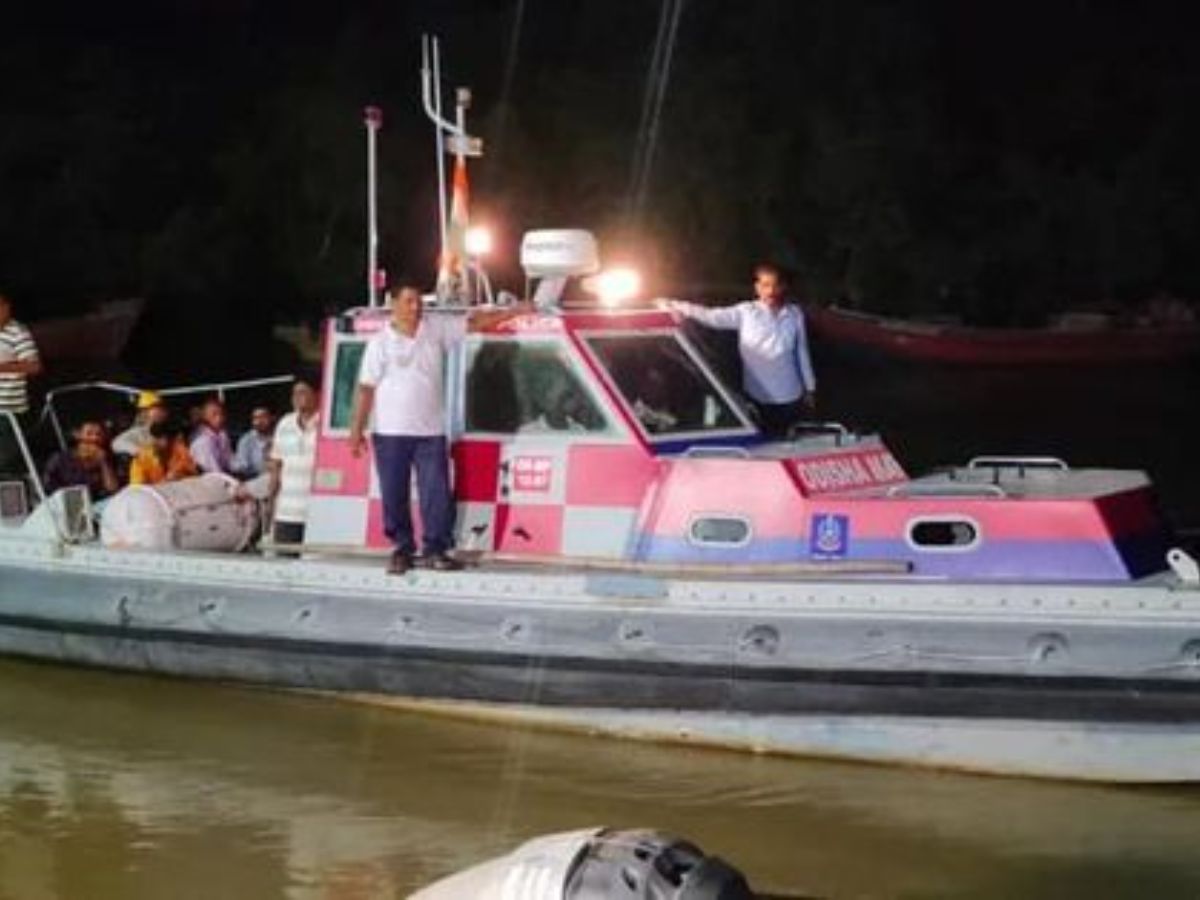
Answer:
(1034, 483)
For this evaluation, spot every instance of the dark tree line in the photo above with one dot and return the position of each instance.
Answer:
(997, 160)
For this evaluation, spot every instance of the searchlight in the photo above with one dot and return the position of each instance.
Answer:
(615, 286)
(478, 241)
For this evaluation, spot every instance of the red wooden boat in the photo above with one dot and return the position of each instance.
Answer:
(97, 335)
(1073, 340)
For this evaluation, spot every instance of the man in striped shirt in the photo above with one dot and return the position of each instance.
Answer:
(292, 455)
(18, 361)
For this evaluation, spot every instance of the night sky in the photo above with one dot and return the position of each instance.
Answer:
(996, 160)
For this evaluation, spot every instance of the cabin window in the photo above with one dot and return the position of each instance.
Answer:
(719, 531)
(528, 387)
(347, 361)
(667, 389)
(943, 534)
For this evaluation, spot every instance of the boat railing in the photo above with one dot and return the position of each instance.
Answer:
(219, 388)
(8, 421)
(946, 489)
(837, 429)
(1020, 463)
(716, 452)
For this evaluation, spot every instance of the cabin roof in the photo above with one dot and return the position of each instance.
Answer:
(369, 319)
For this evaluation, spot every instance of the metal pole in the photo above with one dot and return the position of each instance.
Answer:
(373, 119)
(441, 147)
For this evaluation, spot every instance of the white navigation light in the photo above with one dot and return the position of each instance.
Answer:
(478, 241)
(615, 286)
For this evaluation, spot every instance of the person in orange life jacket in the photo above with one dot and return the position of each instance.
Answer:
(165, 458)
(401, 380)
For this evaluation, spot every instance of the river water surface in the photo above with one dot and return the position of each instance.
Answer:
(118, 786)
(115, 786)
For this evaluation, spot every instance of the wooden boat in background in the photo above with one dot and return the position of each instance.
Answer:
(1073, 340)
(101, 334)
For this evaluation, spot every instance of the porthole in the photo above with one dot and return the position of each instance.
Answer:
(719, 531)
(948, 533)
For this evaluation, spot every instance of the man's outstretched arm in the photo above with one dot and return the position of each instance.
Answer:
(483, 319)
(726, 318)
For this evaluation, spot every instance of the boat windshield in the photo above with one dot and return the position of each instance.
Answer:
(667, 388)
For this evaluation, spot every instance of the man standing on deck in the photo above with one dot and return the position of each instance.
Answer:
(19, 361)
(777, 371)
(290, 463)
(401, 379)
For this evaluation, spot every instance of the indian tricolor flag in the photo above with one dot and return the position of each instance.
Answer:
(454, 254)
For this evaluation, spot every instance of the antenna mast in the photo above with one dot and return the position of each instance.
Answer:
(449, 136)
(373, 120)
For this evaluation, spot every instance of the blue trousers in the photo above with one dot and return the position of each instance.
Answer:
(395, 456)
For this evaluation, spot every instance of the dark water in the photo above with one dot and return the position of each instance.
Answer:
(124, 787)
(1136, 417)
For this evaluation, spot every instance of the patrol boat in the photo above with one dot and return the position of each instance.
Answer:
(645, 563)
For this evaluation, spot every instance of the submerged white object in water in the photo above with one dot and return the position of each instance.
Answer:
(594, 864)
(537, 870)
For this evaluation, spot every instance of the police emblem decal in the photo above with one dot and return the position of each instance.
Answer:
(829, 535)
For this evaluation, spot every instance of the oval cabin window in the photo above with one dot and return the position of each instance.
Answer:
(943, 534)
(719, 531)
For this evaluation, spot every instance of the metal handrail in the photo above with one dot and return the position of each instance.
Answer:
(835, 427)
(946, 489)
(1017, 462)
(217, 387)
(716, 452)
(23, 446)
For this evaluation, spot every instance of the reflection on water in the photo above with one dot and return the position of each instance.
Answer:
(118, 786)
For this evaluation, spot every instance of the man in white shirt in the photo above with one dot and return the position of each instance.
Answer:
(292, 456)
(19, 361)
(777, 371)
(402, 380)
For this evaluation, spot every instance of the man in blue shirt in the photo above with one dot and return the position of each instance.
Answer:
(777, 371)
(254, 447)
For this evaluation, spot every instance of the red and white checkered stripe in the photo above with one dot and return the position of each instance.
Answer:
(526, 495)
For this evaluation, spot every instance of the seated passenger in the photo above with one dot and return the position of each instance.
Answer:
(87, 463)
(254, 447)
(210, 445)
(165, 458)
(150, 409)
(561, 409)
(651, 402)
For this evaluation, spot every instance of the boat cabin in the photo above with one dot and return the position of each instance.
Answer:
(589, 432)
